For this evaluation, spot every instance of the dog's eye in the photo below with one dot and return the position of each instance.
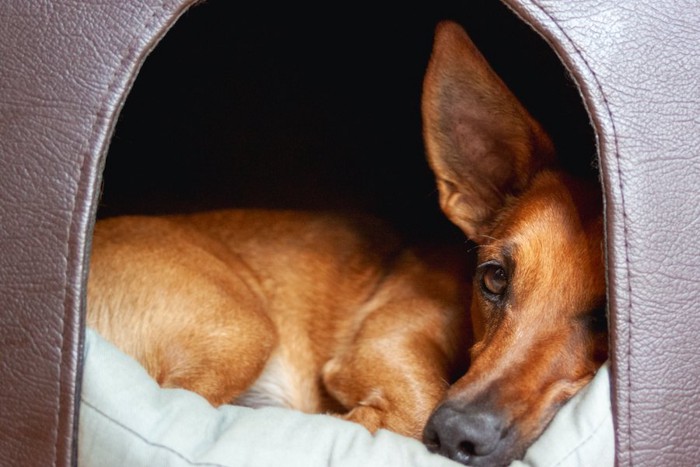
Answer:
(494, 280)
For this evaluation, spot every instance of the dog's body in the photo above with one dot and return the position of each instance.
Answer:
(295, 309)
(333, 314)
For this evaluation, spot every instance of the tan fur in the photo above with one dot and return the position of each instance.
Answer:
(332, 314)
(352, 319)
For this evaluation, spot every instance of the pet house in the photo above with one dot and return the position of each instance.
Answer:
(67, 68)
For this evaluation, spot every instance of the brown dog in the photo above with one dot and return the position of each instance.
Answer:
(325, 313)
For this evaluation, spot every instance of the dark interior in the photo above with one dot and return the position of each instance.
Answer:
(317, 109)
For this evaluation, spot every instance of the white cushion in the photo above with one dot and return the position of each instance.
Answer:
(126, 419)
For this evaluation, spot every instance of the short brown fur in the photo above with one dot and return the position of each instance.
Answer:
(204, 301)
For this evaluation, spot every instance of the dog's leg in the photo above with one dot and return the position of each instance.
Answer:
(396, 367)
(218, 359)
(182, 305)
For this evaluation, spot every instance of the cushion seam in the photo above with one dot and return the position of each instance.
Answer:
(145, 440)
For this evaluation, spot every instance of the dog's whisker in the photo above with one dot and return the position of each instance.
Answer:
(474, 247)
(488, 237)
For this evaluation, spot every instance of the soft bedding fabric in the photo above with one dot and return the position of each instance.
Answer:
(127, 420)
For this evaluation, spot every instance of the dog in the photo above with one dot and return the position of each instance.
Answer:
(333, 313)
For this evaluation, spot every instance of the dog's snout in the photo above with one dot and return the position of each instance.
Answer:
(468, 434)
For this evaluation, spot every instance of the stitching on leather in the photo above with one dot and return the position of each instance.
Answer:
(101, 116)
(142, 438)
(625, 229)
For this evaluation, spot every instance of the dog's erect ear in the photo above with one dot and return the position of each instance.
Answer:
(481, 142)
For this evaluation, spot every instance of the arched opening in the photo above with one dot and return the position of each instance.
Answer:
(282, 108)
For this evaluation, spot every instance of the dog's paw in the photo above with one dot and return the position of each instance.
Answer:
(374, 418)
(369, 417)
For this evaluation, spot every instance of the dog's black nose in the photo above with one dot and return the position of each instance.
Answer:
(465, 434)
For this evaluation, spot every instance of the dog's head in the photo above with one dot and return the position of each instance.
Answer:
(539, 289)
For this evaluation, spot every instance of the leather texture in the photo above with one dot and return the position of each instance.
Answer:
(67, 66)
(638, 67)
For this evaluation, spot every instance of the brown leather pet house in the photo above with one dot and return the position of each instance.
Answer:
(66, 69)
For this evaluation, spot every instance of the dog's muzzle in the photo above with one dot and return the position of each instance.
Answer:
(470, 434)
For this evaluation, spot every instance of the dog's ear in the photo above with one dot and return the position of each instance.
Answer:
(481, 142)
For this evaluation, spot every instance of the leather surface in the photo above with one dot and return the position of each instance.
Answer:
(638, 67)
(65, 69)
